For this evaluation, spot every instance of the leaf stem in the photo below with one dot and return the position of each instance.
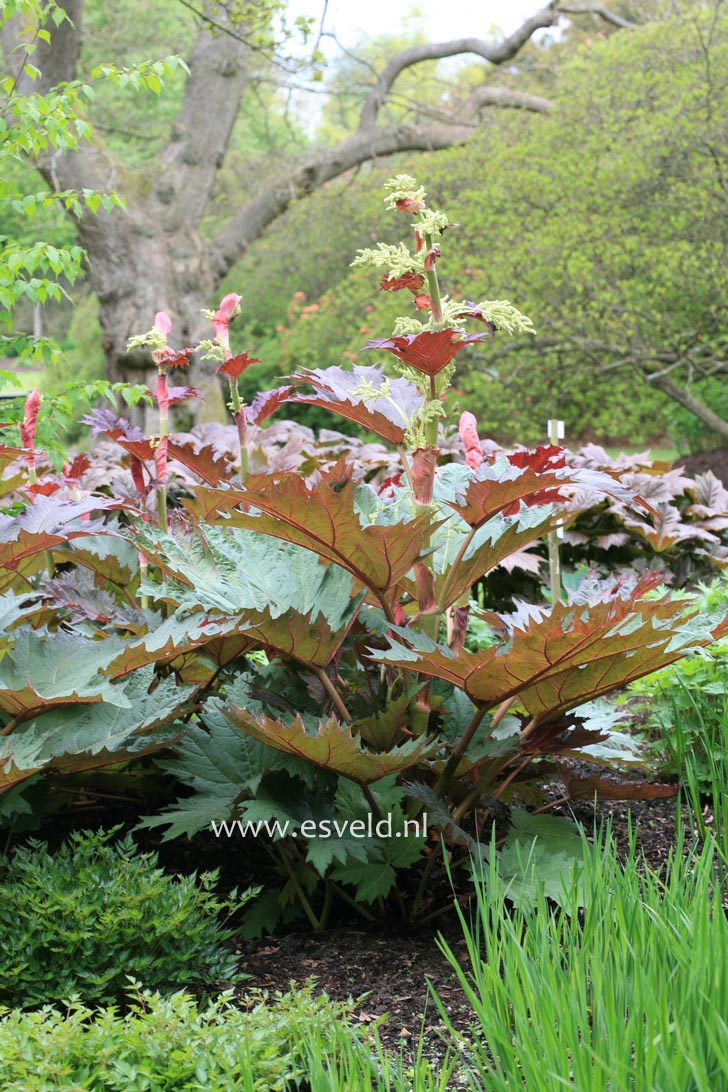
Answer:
(302, 897)
(334, 695)
(433, 286)
(240, 423)
(459, 750)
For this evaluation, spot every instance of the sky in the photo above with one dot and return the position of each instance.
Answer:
(440, 19)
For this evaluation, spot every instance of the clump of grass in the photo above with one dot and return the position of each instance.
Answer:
(624, 988)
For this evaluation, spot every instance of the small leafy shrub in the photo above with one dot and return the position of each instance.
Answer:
(82, 920)
(166, 1045)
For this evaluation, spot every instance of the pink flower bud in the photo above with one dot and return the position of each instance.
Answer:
(222, 317)
(28, 426)
(162, 323)
(471, 443)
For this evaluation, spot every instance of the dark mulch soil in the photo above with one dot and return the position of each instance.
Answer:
(386, 973)
(391, 966)
(717, 461)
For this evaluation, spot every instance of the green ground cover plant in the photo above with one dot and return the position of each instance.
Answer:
(83, 920)
(292, 1042)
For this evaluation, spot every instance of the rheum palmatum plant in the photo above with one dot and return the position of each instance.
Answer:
(304, 636)
(358, 595)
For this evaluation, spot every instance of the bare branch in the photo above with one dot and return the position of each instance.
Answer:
(601, 11)
(690, 402)
(274, 197)
(495, 52)
(505, 96)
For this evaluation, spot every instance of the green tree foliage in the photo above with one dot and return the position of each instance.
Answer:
(608, 216)
(42, 124)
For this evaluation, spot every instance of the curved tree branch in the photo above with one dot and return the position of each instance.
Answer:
(505, 96)
(601, 11)
(495, 52)
(274, 197)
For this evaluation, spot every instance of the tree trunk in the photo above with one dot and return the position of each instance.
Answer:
(138, 270)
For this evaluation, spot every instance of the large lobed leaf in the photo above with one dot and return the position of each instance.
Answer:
(335, 746)
(364, 395)
(286, 599)
(533, 478)
(49, 670)
(128, 721)
(322, 519)
(47, 523)
(555, 660)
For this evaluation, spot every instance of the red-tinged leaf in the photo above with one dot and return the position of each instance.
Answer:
(76, 591)
(549, 457)
(48, 522)
(9, 455)
(181, 394)
(431, 258)
(538, 481)
(265, 405)
(43, 489)
(322, 519)
(106, 421)
(88, 736)
(47, 671)
(506, 542)
(177, 358)
(709, 495)
(364, 395)
(77, 469)
(202, 461)
(335, 746)
(384, 729)
(412, 281)
(559, 659)
(522, 558)
(428, 352)
(109, 556)
(471, 310)
(605, 788)
(305, 638)
(236, 365)
(606, 542)
(666, 528)
(492, 494)
(177, 637)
